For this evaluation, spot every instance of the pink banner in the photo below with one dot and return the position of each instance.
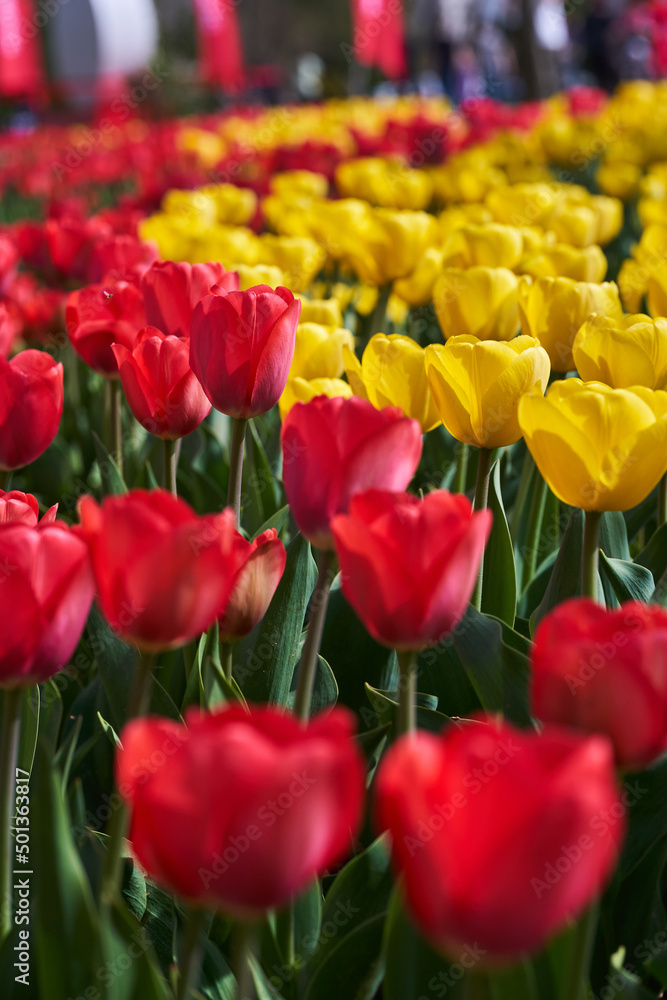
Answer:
(21, 69)
(220, 53)
(379, 38)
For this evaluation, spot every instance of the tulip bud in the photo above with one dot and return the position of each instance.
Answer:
(31, 405)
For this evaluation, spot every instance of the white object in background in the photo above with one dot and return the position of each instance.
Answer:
(92, 39)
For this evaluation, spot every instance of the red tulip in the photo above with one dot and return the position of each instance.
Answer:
(172, 290)
(10, 329)
(241, 347)
(31, 405)
(250, 807)
(70, 241)
(98, 316)
(605, 672)
(46, 589)
(161, 388)
(22, 508)
(409, 565)
(334, 448)
(501, 835)
(254, 586)
(120, 258)
(162, 573)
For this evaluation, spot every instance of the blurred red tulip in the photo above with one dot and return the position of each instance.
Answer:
(31, 404)
(22, 508)
(334, 448)
(254, 586)
(409, 565)
(251, 807)
(98, 316)
(46, 589)
(501, 835)
(70, 241)
(161, 388)
(605, 671)
(172, 290)
(120, 258)
(242, 345)
(162, 572)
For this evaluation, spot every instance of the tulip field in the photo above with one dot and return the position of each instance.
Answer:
(333, 553)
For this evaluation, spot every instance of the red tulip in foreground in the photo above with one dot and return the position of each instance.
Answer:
(101, 315)
(605, 671)
(409, 565)
(46, 589)
(254, 586)
(172, 290)
(162, 572)
(241, 347)
(334, 448)
(161, 388)
(249, 807)
(22, 508)
(31, 405)
(501, 836)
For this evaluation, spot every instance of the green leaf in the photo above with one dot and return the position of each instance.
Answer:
(130, 970)
(265, 663)
(347, 957)
(498, 671)
(413, 968)
(499, 577)
(565, 579)
(110, 733)
(50, 714)
(654, 555)
(385, 704)
(112, 479)
(278, 521)
(629, 581)
(260, 495)
(614, 535)
(325, 688)
(64, 920)
(517, 983)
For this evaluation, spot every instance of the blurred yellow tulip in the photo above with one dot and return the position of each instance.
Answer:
(391, 244)
(560, 260)
(620, 180)
(300, 182)
(417, 287)
(598, 448)
(480, 301)
(632, 351)
(299, 258)
(301, 390)
(553, 310)
(656, 290)
(318, 351)
(392, 373)
(258, 274)
(324, 311)
(386, 183)
(234, 206)
(477, 385)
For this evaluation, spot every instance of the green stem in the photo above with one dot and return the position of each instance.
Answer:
(525, 483)
(481, 502)
(113, 860)
(407, 691)
(590, 554)
(576, 980)
(475, 987)
(242, 941)
(9, 745)
(236, 467)
(285, 933)
(307, 668)
(380, 311)
(461, 474)
(226, 659)
(5, 476)
(662, 501)
(170, 466)
(189, 964)
(117, 423)
(533, 530)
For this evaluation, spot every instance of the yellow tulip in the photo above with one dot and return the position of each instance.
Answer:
(299, 258)
(477, 385)
(301, 390)
(523, 204)
(573, 223)
(656, 290)
(597, 448)
(384, 182)
(609, 218)
(620, 180)
(300, 182)
(258, 274)
(489, 245)
(196, 206)
(391, 245)
(324, 311)
(417, 287)
(632, 281)
(553, 310)
(481, 301)
(288, 215)
(622, 354)
(234, 206)
(318, 351)
(564, 261)
(392, 373)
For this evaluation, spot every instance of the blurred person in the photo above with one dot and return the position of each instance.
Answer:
(453, 30)
(552, 38)
(597, 38)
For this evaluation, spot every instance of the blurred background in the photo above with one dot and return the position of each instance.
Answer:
(62, 59)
